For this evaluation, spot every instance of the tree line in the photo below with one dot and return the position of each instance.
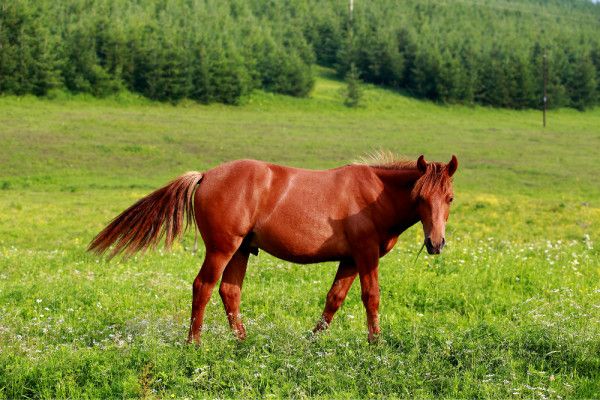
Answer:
(462, 51)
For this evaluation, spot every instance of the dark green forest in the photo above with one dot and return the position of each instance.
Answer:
(470, 51)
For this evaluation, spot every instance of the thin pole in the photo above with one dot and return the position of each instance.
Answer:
(545, 85)
(351, 8)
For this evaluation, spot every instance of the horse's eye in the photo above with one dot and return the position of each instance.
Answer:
(450, 199)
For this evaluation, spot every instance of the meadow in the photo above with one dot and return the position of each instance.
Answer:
(511, 309)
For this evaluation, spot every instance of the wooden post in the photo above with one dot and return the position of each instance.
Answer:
(545, 84)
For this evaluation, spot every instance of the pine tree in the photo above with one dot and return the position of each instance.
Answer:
(581, 82)
(353, 88)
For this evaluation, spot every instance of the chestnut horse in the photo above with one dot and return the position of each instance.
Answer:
(352, 214)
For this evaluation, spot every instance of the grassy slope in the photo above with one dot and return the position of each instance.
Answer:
(511, 308)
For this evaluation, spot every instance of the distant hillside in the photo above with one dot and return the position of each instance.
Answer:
(467, 51)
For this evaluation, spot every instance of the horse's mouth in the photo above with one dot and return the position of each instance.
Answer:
(434, 249)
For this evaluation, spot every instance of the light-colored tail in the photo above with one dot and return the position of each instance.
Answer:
(159, 214)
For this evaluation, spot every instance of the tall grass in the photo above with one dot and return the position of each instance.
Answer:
(510, 309)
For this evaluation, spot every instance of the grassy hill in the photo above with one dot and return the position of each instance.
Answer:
(509, 310)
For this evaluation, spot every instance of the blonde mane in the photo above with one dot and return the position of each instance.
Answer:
(434, 179)
(385, 159)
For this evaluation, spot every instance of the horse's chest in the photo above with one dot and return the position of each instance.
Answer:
(387, 245)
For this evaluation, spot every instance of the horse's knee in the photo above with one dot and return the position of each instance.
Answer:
(335, 299)
(204, 281)
(229, 293)
(370, 298)
(196, 284)
(210, 277)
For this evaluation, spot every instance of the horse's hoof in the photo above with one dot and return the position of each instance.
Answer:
(321, 326)
(240, 336)
(374, 338)
(193, 341)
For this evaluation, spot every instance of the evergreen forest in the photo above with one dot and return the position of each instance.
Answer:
(463, 51)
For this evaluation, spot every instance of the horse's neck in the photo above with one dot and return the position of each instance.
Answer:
(398, 180)
(398, 185)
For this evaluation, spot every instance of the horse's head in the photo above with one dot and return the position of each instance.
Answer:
(433, 195)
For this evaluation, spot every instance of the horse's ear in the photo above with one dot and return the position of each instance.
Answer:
(422, 164)
(452, 166)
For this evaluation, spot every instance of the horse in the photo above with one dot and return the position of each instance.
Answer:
(351, 214)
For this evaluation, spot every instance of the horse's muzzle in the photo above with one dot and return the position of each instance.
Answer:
(434, 249)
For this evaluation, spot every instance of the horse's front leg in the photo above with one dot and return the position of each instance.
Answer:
(368, 268)
(337, 294)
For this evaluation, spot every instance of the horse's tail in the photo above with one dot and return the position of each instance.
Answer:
(159, 214)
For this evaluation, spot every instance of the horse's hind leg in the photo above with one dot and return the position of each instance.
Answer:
(231, 290)
(344, 277)
(212, 269)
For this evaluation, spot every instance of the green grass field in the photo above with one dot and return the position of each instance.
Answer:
(510, 310)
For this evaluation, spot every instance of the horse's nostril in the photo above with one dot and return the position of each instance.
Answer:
(429, 245)
(443, 242)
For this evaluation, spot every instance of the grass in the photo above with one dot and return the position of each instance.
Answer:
(511, 309)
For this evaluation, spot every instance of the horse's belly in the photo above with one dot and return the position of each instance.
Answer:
(302, 243)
